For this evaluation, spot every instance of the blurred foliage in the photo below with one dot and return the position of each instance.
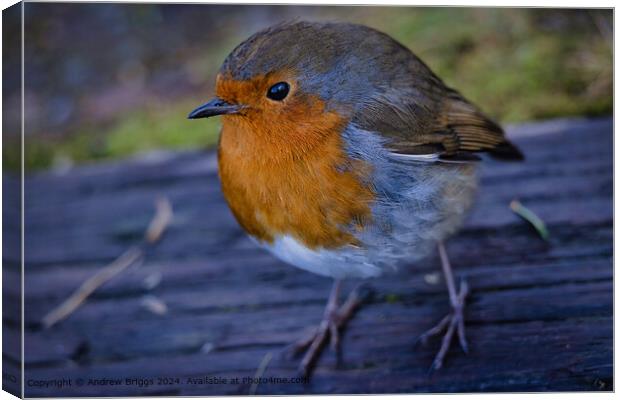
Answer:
(518, 65)
(133, 94)
(142, 130)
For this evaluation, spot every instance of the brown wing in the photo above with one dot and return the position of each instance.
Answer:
(457, 130)
(421, 116)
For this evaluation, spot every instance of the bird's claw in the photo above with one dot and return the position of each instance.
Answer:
(451, 323)
(334, 320)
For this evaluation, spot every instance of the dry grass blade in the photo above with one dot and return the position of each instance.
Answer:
(259, 372)
(90, 285)
(162, 218)
(530, 217)
(160, 222)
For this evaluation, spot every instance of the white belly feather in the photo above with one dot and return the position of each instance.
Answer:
(348, 262)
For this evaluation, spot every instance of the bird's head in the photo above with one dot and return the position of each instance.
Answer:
(299, 81)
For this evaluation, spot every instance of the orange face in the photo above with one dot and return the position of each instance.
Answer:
(283, 167)
(292, 126)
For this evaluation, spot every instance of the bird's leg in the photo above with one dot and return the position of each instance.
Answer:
(453, 322)
(334, 319)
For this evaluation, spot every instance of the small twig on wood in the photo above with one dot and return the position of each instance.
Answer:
(162, 218)
(90, 285)
(530, 217)
(154, 305)
(259, 372)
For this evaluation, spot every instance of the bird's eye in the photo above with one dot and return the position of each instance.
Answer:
(278, 91)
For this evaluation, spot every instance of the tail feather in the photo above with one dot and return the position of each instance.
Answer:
(507, 151)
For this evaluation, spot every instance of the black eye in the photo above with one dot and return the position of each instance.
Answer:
(278, 91)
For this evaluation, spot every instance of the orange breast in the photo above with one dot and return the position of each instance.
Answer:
(290, 176)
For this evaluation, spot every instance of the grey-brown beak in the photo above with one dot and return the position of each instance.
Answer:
(213, 108)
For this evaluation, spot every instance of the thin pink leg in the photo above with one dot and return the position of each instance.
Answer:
(453, 322)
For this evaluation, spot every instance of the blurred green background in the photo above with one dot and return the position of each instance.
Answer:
(110, 80)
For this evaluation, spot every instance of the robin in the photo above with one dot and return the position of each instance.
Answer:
(343, 154)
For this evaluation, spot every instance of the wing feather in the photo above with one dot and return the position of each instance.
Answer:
(424, 119)
(439, 129)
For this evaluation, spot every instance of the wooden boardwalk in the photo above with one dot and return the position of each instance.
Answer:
(207, 303)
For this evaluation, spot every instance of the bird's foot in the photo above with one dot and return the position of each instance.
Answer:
(451, 323)
(334, 320)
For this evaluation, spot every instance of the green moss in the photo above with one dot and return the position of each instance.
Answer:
(392, 298)
(154, 127)
(159, 127)
(510, 63)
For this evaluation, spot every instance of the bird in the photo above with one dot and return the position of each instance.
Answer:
(343, 154)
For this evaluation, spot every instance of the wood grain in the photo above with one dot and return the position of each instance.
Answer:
(539, 317)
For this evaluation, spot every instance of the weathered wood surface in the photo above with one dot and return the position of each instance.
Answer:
(539, 317)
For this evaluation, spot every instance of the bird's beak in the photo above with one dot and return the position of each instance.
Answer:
(214, 107)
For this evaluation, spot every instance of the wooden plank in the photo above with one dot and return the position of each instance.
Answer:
(554, 360)
(510, 245)
(539, 316)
